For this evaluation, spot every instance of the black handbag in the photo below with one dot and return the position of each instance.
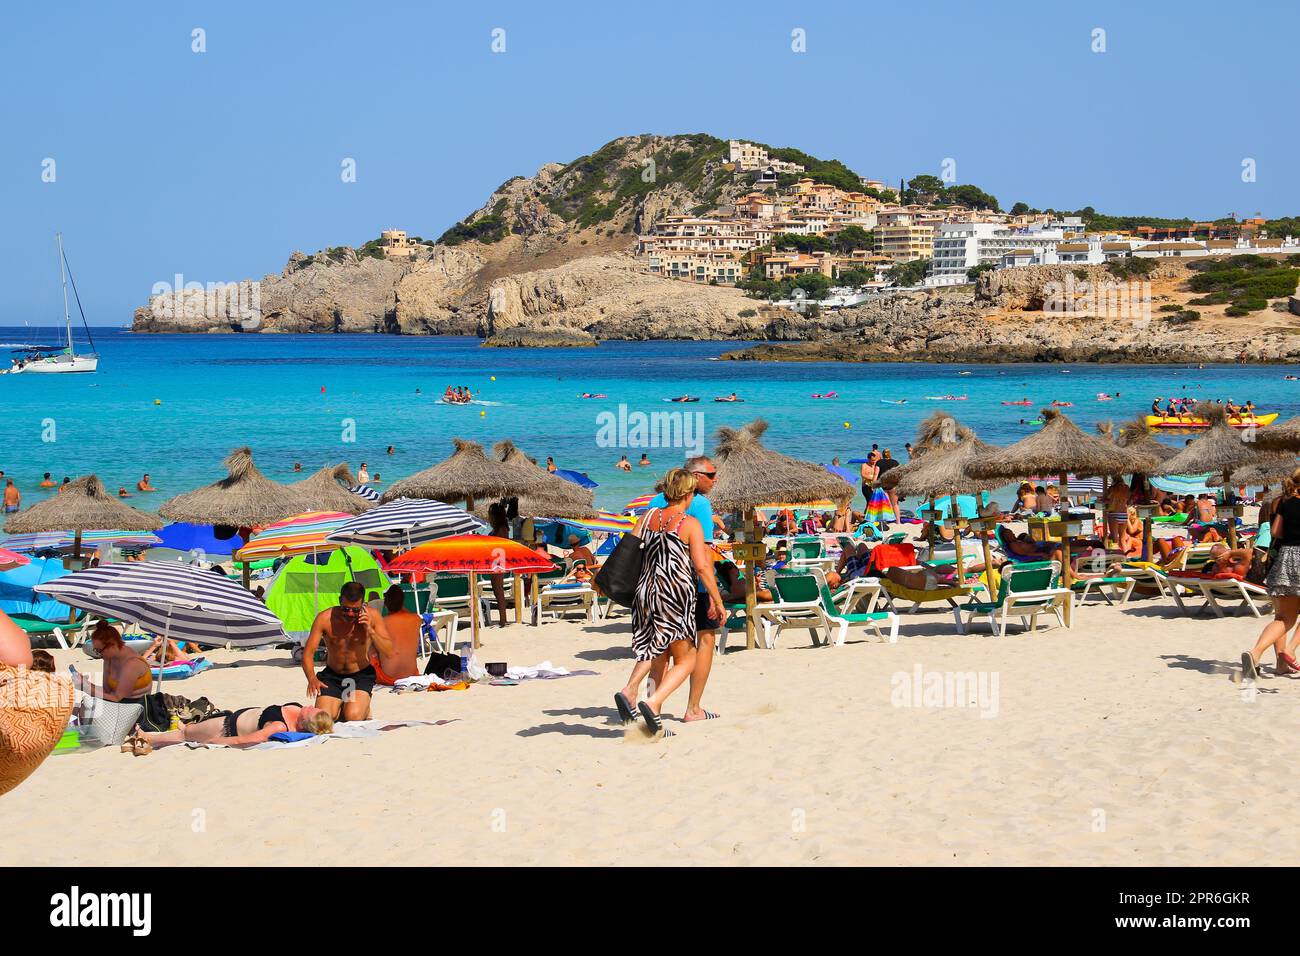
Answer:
(619, 574)
(157, 716)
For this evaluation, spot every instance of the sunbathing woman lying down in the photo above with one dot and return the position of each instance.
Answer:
(238, 728)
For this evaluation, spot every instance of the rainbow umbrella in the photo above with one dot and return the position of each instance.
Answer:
(302, 534)
(638, 505)
(473, 554)
(602, 522)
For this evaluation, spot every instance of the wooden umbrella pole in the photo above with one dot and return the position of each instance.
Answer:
(956, 537)
(473, 608)
(1146, 538)
(519, 599)
(751, 572)
(1067, 574)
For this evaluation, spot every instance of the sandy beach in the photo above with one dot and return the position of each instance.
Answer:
(1119, 741)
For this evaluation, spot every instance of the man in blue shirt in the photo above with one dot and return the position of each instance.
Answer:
(706, 628)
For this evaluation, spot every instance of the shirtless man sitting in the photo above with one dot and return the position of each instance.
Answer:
(345, 683)
(404, 630)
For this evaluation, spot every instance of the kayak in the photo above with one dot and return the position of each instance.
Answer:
(1018, 403)
(1190, 421)
(946, 398)
(684, 398)
(1062, 404)
(731, 401)
(893, 401)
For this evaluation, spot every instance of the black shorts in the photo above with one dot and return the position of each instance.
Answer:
(336, 683)
(702, 620)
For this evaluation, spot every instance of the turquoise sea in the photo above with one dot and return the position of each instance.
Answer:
(174, 405)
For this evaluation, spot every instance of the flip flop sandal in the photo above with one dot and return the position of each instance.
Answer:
(625, 711)
(652, 721)
(1248, 669)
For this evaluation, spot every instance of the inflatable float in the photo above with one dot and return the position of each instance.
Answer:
(1175, 422)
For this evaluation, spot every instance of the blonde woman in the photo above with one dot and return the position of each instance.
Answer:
(1283, 583)
(239, 728)
(674, 553)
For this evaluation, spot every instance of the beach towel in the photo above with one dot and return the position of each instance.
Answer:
(544, 671)
(428, 682)
(351, 730)
(179, 670)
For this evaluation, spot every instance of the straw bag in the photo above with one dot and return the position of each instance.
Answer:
(109, 721)
(618, 576)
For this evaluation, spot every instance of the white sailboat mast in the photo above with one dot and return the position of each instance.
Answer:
(67, 319)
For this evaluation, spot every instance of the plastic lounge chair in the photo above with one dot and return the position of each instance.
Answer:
(806, 602)
(558, 596)
(452, 594)
(1026, 591)
(1216, 589)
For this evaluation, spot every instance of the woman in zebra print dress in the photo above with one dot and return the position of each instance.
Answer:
(663, 615)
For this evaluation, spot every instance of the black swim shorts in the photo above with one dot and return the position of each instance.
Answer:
(338, 685)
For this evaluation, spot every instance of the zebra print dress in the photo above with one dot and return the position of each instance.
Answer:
(664, 609)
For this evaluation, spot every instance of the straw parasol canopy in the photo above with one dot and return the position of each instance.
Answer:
(1222, 449)
(468, 474)
(942, 471)
(1058, 448)
(1136, 436)
(750, 475)
(1284, 437)
(327, 490)
(81, 505)
(245, 497)
(554, 497)
(1269, 468)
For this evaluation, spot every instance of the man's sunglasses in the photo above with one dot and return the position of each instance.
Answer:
(706, 474)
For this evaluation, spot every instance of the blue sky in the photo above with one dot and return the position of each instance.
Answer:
(217, 165)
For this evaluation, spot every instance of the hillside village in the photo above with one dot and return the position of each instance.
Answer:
(865, 240)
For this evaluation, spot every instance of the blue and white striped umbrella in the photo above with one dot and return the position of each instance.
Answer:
(406, 522)
(183, 602)
(1183, 484)
(365, 491)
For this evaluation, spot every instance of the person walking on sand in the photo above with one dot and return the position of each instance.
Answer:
(1283, 583)
(700, 508)
(664, 610)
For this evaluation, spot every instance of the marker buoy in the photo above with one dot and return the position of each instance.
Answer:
(482, 414)
(847, 425)
(157, 401)
(492, 378)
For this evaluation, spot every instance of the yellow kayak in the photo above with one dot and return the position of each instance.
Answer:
(1191, 421)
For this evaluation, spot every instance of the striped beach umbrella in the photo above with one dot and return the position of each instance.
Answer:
(1182, 484)
(603, 522)
(638, 505)
(178, 601)
(62, 540)
(406, 522)
(301, 534)
(365, 491)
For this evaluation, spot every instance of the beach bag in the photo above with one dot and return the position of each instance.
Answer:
(618, 576)
(156, 715)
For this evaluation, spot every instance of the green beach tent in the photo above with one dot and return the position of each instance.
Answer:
(309, 583)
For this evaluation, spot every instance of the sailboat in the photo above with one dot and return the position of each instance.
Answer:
(58, 358)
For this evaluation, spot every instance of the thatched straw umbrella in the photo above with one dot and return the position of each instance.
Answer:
(553, 497)
(1136, 436)
(1269, 468)
(1284, 437)
(327, 490)
(244, 498)
(81, 505)
(941, 470)
(1221, 449)
(1058, 448)
(750, 475)
(467, 475)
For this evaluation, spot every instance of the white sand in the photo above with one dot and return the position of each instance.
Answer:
(1121, 741)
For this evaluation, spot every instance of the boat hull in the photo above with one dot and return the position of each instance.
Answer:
(1180, 424)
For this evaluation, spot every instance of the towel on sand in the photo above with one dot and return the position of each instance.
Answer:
(350, 730)
(544, 671)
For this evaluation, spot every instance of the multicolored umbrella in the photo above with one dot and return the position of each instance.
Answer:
(404, 522)
(61, 540)
(639, 504)
(602, 522)
(302, 534)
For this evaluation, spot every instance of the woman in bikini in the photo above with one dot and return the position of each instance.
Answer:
(126, 673)
(240, 728)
